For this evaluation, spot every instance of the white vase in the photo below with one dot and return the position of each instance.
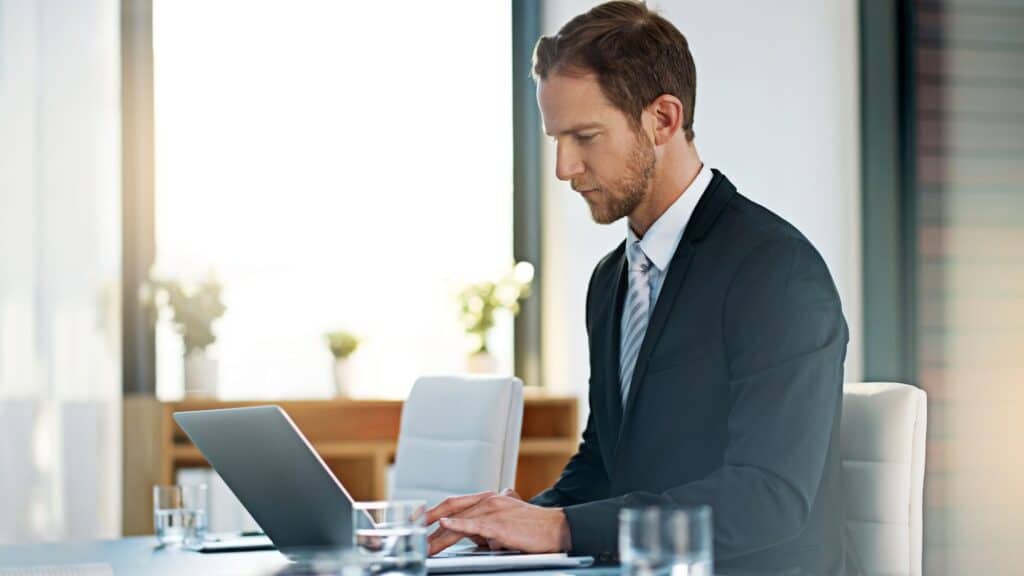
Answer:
(481, 363)
(200, 374)
(342, 377)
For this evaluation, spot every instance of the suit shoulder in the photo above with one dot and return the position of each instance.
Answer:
(761, 244)
(758, 224)
(747, 226)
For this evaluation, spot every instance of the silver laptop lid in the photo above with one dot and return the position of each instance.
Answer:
(275, 473)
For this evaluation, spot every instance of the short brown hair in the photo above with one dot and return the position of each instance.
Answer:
(636, 54)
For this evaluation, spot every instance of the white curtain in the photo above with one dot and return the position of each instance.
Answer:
(59, 270)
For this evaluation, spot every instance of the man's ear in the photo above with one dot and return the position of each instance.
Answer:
(667, 112)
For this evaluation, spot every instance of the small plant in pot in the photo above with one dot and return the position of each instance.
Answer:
(342, 345)
(193, 308)
(477, 305)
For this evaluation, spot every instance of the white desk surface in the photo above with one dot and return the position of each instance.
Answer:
(140, 556)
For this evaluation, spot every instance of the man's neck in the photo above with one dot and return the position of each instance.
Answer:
(679, 168)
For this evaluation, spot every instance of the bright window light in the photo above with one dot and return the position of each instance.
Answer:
(339, 165)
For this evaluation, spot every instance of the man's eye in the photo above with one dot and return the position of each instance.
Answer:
(585, 137)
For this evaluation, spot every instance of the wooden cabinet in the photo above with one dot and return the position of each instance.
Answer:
(356, 438)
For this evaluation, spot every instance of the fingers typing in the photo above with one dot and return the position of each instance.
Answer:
(454, 505)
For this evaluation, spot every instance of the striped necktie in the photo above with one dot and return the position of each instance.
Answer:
(635, 314)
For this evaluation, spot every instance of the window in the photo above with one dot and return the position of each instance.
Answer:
(969, 278)
(338, 165)
(943, 274)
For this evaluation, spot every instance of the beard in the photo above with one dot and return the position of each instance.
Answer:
(620, 198)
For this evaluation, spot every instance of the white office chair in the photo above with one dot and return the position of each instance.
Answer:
(883, 434)
(459, 435)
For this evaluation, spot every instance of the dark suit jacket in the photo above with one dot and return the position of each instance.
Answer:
(735, 399)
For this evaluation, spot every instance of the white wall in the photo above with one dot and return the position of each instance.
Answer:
(777, 111)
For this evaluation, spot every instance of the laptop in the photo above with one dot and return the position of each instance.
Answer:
(296, 499)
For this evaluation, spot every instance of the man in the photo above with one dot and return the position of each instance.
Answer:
(716, 334)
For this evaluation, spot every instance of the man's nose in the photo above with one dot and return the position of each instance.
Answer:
(567, 164)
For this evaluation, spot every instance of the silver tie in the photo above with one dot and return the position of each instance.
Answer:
(635, 314)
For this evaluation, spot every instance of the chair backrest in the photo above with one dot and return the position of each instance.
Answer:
(883, 436)
(460, 434)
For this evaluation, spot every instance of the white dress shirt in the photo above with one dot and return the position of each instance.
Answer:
(662, 238)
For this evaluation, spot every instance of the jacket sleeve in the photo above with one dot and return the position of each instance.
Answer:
(785, 338)
(585, 478)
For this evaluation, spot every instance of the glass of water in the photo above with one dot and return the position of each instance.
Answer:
(665, 540)
(179, 515)
(391, 537)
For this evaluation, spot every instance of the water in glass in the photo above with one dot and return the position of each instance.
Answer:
(179, 515)
(666, 542)
(391, 537)
(185, 526)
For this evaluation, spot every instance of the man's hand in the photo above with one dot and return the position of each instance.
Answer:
(456, 505)
(498, 521)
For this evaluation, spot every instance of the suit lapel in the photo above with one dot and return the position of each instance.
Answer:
(614, 286)
(714, 199)
(613, 393)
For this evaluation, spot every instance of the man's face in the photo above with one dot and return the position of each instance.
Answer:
(598, 151)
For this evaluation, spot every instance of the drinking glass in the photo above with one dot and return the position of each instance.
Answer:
(391, 537)
(179, 515)
(665, 540)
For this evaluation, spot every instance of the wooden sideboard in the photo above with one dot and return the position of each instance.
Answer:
(356, 438)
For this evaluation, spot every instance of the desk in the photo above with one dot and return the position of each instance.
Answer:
(356, 438)
(139, 556)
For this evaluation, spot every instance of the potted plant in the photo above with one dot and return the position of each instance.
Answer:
(194, 308)
(342, 344)
(477, 305)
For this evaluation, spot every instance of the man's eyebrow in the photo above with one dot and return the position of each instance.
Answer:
(579, 128)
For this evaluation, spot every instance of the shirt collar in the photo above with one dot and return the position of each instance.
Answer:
(662, 238)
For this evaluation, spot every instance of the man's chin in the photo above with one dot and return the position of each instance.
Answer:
(603, 217)
(609, 212)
